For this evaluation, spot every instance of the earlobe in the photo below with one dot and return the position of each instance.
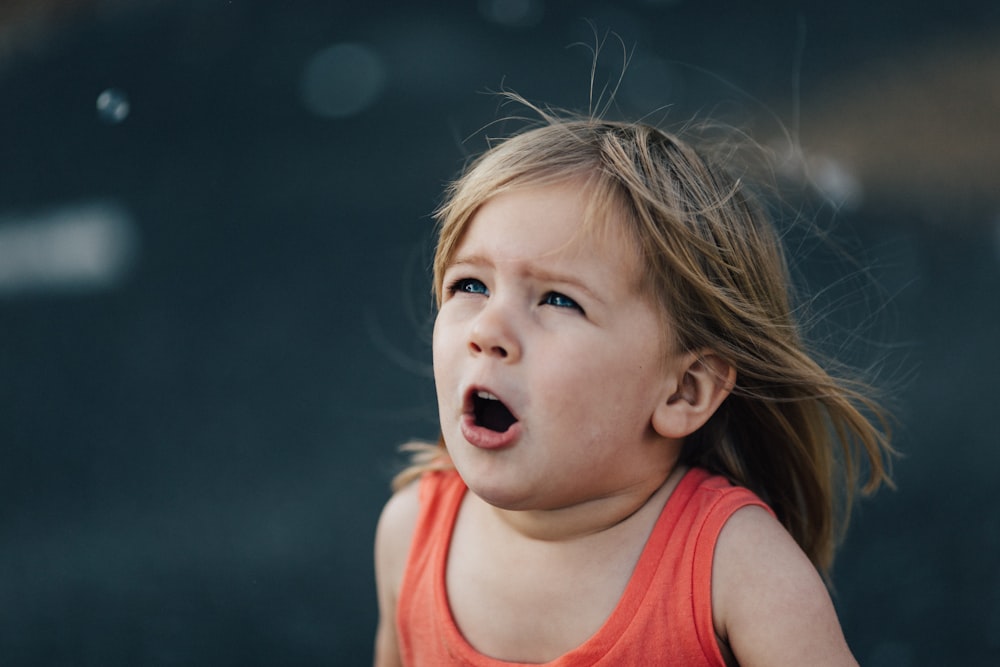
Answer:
(703, 381)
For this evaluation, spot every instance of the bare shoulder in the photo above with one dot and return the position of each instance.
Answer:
(392, 547)
(395, 532)
(769, 602)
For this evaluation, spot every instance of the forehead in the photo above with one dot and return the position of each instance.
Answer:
(554, 222)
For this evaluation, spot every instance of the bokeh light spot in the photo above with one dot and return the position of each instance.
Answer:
(113, 106)
(514, 13)
(342, 80)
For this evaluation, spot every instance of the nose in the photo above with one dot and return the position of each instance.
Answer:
(494, 333)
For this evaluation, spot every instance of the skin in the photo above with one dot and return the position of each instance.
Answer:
(550, 319)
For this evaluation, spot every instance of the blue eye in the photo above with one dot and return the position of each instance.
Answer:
(468, 286)
(560, 301)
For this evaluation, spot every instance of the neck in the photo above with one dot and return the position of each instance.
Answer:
(596, 515)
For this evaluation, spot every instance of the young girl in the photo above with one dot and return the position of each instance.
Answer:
(640, 463)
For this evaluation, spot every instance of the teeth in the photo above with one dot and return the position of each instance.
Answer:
(486, 395)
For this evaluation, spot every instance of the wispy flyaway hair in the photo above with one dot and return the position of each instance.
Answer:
(713, 263)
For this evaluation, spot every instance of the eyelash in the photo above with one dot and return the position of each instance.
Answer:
(462, 285)
(570, 303)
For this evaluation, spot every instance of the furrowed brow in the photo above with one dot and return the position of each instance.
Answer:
(539, 273)
(548, 276)
(475, 260)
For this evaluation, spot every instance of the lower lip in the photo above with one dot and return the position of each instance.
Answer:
(484, 438)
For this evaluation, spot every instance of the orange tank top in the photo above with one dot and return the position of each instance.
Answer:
(664, 616)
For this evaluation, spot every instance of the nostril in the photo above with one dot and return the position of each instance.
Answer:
(497, 350)
(492, 337)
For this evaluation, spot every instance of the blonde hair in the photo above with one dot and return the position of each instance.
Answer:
(713, 262)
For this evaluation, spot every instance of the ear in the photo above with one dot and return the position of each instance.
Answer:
(699, 383)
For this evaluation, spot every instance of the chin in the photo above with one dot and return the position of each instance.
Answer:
(501, 499)
(492, 489)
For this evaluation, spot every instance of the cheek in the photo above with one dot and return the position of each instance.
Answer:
(586, 384)
(621, 387)
(443, 350)
(437, 352)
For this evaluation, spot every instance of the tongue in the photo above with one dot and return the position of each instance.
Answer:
(494, 415)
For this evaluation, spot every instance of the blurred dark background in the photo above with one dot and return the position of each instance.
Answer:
(214, 236)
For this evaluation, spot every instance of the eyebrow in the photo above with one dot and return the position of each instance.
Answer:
(535, 272)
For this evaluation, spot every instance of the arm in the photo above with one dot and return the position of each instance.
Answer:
(769, 603)
(392, 546)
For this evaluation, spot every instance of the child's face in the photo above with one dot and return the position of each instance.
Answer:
(548, 319)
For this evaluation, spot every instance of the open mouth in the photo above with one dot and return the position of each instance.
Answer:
(491, 413)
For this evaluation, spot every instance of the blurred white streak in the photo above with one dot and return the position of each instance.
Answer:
(342, 80)
(85, 247)
(920, 128)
